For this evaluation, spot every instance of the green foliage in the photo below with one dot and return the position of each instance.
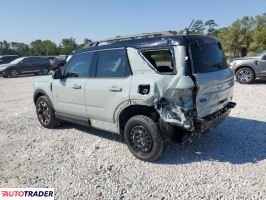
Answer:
(67, 46)
(210, 25)
(40, 47)
(43, 48)
(197, 27)
(244, 36)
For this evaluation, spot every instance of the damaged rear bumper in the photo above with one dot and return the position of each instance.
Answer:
(211, 121)
(186, 119)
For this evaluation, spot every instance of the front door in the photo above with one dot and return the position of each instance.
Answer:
(25, 65)
(68, 92)
(110, 86)
(262, 65)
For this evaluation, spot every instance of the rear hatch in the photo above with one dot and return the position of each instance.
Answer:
(212, 76)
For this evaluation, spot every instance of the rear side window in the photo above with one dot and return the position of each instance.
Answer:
(27, 60)
(161, 60)
(79, 65)
(207, 56)
(35, 60)
(112, 63)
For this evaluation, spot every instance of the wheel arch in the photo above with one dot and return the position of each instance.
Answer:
(133, 110)
(38, 93)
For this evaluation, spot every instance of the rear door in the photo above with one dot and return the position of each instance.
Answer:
(35, 64)
(213, 78)
(110, 86)
(68, 92)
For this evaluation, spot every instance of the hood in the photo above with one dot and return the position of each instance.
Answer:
(46, 78)
(245, 58)
(4, 66)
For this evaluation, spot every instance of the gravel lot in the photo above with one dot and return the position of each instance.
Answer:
(82, 163)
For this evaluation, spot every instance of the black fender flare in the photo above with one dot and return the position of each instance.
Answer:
(39, 92)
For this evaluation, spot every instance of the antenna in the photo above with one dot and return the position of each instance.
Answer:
(187, 30)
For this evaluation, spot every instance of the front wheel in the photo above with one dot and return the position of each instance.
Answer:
(143, 138)
(14, 73)
(245, 75)
(45, 113)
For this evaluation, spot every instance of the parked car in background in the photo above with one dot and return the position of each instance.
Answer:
(7, 58)
(57, 62)
(25, 65)
(247, 69)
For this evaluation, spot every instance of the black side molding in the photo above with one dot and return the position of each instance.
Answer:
(73, 119)
(231, 104)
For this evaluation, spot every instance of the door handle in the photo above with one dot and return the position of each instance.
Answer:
(76, 86)
(115, 89)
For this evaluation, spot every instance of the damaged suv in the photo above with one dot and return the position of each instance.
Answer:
(146, 87)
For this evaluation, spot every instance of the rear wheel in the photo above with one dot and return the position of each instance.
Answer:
(143, 138)
(45, 70)
(245, 75)
(45, 113)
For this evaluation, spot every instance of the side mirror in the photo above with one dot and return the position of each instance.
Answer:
(57, 74)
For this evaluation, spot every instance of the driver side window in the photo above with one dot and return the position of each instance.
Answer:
(264, 57)
(79, 65)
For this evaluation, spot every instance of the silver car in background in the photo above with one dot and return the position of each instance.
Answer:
(247, 69)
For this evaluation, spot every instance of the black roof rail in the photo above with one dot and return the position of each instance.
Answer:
(130, 37)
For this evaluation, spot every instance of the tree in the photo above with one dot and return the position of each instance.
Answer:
(197, 27)
(36, 48)
(67, 46)
(50, 48)
(210, 25)
(258, 37)
(20, 48)
(4, 47)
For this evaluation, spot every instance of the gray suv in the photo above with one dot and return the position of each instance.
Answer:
(248, 68)
(145, 89)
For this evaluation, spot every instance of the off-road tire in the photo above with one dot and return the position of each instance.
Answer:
(151, 132)
(43, 103)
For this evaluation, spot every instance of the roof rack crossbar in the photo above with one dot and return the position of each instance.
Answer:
(131, 37)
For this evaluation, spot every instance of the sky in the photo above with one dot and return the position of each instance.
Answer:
(28, 20)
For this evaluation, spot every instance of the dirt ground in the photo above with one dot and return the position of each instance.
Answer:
(83, 163)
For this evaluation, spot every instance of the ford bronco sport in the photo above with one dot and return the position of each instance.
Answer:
(145, 89)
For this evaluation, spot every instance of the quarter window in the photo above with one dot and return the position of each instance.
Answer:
(112, 63)
(161, 60)
(79, 65)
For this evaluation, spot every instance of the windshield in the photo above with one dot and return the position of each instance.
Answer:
(207, 56)
(16, 61)
(260, 54)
